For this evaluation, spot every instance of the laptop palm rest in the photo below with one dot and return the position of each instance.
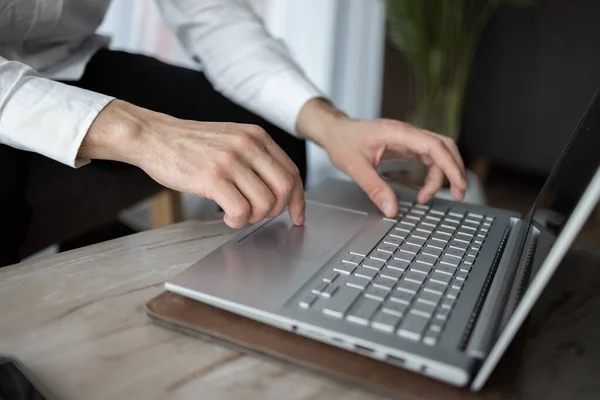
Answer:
(263, 268)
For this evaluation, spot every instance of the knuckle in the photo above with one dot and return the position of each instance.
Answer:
(213, 170)
(240, 213)
(257, 131)
(437, 143)
(226, 159)
(243, 140)
(286, 185)
(266, 205)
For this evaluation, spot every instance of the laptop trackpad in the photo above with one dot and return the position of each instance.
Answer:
(324, 227)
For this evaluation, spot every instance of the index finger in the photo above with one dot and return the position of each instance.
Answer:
(297, 204)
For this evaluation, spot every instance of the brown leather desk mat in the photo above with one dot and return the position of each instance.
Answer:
(198, 319)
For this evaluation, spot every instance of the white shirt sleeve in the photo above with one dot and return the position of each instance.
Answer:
(240, 58)
(45, 116)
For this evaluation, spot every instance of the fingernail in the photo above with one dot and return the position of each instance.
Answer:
(387, 208)
(301, 219)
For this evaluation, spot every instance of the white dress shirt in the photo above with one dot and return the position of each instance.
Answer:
(42, 41)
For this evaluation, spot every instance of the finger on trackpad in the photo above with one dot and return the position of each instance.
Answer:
(324, 227)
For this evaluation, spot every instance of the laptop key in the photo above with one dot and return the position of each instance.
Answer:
(357, 282)
(416, 277)
(408, 286)
(398, 265)
(462, 275)
(345, 269)
(456, 284)
(375, 293)
(469, 259)
(386, 248)
(456, 214)
(426, 259)
(400, 233)
(383, 283)
(307, 300)
(427, 225)
(464, 234)
(454, 252)
(394, 308)
(402, 297)
(410, 248)
(429, 298)
(440, 278)
(393, 240)
(444, 232)
(385, 322)
(373, 264)
(352, 259)
(431, 336)
(449, 260)
(447, 304)
(446, 269)
(320, 288)
(423, 309)
(407, 223)
(329, 291)
(473, 251)
(434, 287)
(391, 274)
(412, 240)
(437, 212)
(330, 277)
(456, 244)
(475, 216)
(413, 217)
(442, 314)
(452, 293)
(364, 272)
(432, 251)
(380, 255)
(421, 268)
(412, 327)
(340, 303)
(440, 237)
(466, 268)
(405, 257)
(362, 311)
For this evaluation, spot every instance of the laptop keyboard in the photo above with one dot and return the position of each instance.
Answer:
(409, 282)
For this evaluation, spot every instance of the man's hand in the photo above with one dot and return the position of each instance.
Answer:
(357, 146)
(238, 166)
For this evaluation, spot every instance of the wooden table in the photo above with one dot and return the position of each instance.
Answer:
(76, 320)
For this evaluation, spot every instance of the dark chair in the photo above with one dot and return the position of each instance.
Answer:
(68, 202)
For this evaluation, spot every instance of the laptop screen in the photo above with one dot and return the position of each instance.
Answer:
(572, 173)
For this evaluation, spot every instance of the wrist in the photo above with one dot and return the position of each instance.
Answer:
(318, 120)
(116, 134)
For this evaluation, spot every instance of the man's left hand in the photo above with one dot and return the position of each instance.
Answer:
(356, 147)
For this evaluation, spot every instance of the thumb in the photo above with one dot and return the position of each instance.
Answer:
(380, 193)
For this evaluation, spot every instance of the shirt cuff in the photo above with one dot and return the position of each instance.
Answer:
(51, 118)
(282, 97)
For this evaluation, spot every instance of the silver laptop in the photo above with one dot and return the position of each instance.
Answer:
(440, 290)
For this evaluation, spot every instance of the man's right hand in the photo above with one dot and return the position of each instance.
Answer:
(238, 166)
